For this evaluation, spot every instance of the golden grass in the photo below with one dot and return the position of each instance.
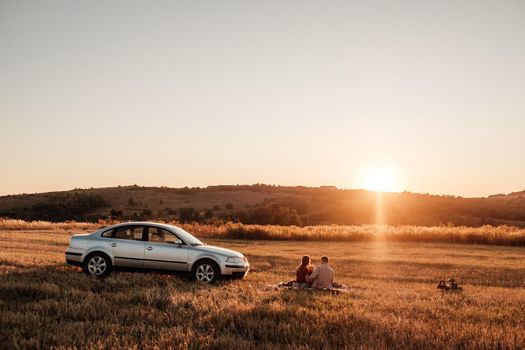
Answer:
(391, 303)
(15, 224)
(499, 235)
(492, 235)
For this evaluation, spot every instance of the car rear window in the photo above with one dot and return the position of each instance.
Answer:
(129, 232)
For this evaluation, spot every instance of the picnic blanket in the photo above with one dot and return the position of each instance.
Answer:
(336, 288)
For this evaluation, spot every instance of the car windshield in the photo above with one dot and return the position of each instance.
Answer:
(186, 236)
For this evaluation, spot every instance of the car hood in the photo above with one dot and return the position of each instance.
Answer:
(218, 250)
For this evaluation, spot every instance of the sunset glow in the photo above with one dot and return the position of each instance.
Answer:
(187, 93)
(380, 179)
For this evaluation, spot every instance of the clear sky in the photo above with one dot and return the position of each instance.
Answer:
(427, 96)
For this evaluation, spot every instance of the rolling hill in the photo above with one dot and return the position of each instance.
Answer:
(265, 204)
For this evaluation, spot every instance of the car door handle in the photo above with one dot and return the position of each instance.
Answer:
(149, 248)
(113, 244)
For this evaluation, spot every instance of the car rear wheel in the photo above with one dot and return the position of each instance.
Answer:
(97, 265)
(206, 271)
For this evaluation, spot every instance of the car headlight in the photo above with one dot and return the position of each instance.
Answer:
(235, 260)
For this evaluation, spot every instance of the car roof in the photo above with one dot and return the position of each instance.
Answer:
(144, 223)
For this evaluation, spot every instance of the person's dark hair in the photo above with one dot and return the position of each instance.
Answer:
(306, 260)
(324, 259)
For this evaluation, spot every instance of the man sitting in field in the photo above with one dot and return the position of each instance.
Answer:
(323, 275)
(304, 270)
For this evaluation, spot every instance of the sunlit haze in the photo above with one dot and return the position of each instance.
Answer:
(381, 179)
(425, 96)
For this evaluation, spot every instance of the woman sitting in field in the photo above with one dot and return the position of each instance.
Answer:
(303, 270)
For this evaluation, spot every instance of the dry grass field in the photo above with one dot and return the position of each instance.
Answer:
(492, 235)
(392, 301)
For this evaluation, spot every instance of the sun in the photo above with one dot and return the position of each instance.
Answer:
(380, 179)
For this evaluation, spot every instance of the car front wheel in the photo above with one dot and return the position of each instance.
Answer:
(206, 271)
(97, 265)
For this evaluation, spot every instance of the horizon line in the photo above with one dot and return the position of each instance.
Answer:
(261, 184)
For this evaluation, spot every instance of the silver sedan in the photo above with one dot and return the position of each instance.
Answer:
(153, 246)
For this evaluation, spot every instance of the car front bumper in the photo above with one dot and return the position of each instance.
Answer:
(236, 270)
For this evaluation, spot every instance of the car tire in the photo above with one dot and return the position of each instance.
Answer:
(205, 271)
(98, 265)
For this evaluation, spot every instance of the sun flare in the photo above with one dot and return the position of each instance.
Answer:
(380, 179)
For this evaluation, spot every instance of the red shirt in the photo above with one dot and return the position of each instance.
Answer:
(301, 273)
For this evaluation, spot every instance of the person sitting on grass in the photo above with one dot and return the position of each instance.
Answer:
(323, 275)
(304, 270)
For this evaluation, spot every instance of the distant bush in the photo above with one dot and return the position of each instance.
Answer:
(170, 211)
(67, 207)
(187, 190)
(116, 214)
(188, 214)
(270, 214)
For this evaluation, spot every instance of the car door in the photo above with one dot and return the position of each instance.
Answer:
(127, 246)
(164, 250)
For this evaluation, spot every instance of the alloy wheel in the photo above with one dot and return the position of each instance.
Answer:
(204, 273)
(97, 265)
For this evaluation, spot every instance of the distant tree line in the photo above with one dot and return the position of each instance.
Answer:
(76, 206)
(278, 205)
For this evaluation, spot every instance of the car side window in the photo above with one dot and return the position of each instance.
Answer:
(107, 234)
(129, 232)
(159, 235)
